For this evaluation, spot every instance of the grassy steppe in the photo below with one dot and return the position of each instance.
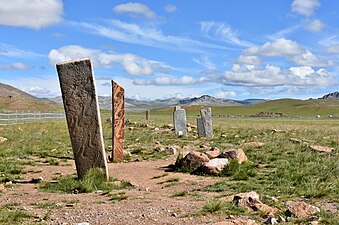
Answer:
(280, 168)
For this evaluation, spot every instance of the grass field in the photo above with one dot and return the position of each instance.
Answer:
(280, 168)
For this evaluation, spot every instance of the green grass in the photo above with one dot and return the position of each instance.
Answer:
(10, 214)
(94, 180)
(117, 197)
(218, 206)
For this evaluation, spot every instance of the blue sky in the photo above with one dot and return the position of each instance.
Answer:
(234, 49)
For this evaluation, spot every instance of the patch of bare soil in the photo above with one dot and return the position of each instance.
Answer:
(151, 201)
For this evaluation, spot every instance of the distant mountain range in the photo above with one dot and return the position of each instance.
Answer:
(13, 98)
(333, 95)
(138, 105)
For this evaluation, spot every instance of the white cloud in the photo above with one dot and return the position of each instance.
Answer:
(15, 52)
(288, 49)
(39, 92)
(132, 64)
(15, 66)
(222, 31)
(305, 7)
(168, 81)
(249, 60)
(135, 8)
(333, 49)
(34, 14)
(283, 33)
(147, 36)
(276, 76)
(315, 26)
(225, 94)
(170, 8)
(205, 62)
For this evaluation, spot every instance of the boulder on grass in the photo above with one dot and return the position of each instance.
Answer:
(237, 154)
(215, 166)
(319, 148)
(2, 139)
(251, 201)
(300, 209)
(213, 153)
(193, 160)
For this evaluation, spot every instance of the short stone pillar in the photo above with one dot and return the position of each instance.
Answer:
(148, 113)
(204, 123)
(118, 121)
(83, 115)
(179, 117)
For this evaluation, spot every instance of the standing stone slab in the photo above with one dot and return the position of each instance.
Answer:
(206, 117)
(83, 116)
(200, 127)
(118, 122)
(177, 107)
(147, 115)
(180, 122)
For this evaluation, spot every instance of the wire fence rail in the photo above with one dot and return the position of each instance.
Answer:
(28, 116)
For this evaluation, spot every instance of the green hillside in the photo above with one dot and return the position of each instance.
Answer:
(289, 107)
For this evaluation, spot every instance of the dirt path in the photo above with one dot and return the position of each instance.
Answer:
(151, 201)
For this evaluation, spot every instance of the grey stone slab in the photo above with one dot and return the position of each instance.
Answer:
(179, 117)
(83, 116)
(206, 117)
(200, 127)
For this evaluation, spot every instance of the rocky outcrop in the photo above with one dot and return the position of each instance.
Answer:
(300, 209)
(333, 95)
(236, 154)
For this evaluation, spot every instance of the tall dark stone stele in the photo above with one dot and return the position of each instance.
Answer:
(118, 121)
(83, 115)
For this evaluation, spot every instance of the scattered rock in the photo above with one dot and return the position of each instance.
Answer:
(171, 150)
(170, 126)
(189, 148)
(223, 136)
(300, 209)
(156, 129)
(213, 152)
(250, 200)
(159, 148)
(215, 166)
(193, 160)
(131, 128)
(254, 144)
(189, 129)
(157, 143)
(271, 220)
(2, 139)
(237, 154)
(109, 120)
(295, 140)
(2, 187)
(278, 131)
(269, 114)
(319, 148)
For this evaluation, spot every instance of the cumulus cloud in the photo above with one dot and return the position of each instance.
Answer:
(225, 94)
(39, 91)
(35, 14)
(170, 8)
(305, 7)
(222, 31)
(315, 26)
(15, 66)
(132, 64)
(288, 49)
(249, 60)
(135, 8)
(269, 75)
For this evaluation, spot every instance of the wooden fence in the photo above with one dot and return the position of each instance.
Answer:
(28, 116)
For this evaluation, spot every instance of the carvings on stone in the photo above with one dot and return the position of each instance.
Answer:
(118, 122)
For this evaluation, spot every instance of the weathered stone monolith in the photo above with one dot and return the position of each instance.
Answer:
(204, 123)
(206, 117)
(179, 117)
(82, 114)
(118, 121)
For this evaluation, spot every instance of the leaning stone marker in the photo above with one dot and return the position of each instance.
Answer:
(180, 122)
(118, 122)
(206, 120)
(83, 116)
(147, 115)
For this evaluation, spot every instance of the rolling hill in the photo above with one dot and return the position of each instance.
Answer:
(13, 99)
